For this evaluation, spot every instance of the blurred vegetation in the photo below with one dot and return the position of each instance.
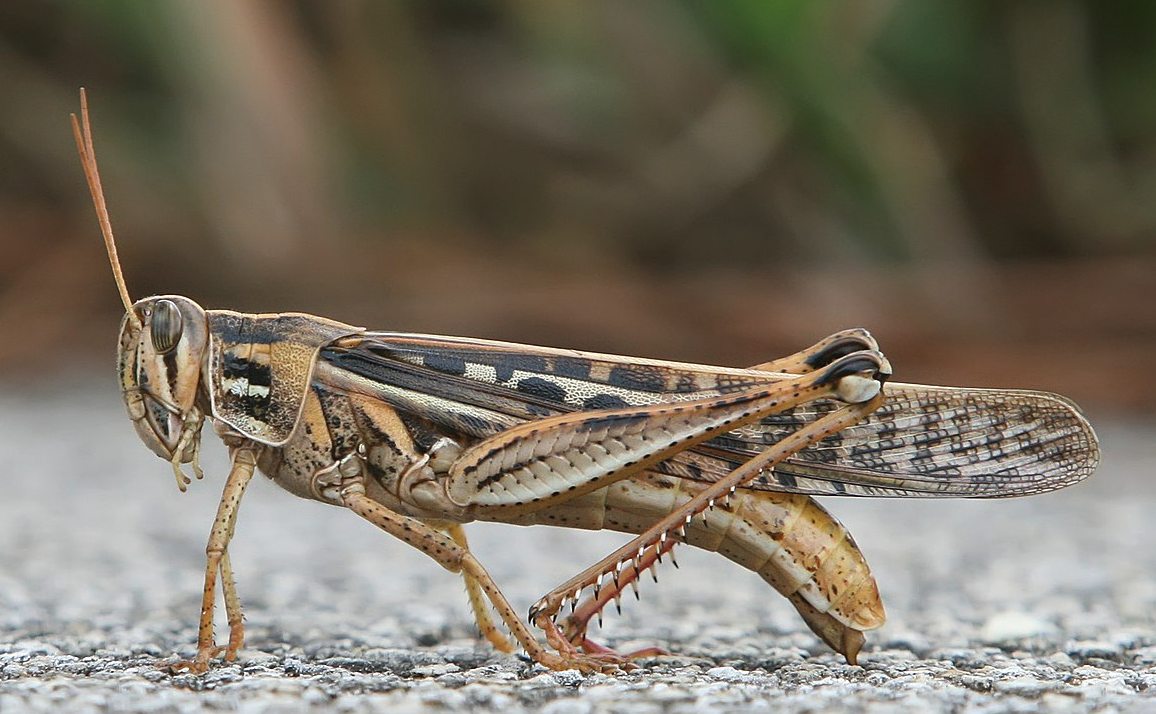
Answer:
(397, 151)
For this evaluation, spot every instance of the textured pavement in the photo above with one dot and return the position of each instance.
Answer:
(1037, 604)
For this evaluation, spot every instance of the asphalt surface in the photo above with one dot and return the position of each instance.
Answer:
(1046, 603)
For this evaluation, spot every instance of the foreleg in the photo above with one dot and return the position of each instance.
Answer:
(217, 562)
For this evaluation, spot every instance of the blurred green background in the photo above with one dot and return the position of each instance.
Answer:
(719, 181)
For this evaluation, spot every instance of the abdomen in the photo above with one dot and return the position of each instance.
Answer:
(788, 539)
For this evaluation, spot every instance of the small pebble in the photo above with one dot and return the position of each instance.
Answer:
(1026, 686)
(1008, 627)
(1090, 649)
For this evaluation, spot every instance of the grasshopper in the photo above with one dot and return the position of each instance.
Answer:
(420, 434)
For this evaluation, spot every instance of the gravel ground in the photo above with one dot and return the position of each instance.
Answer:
(1037, 604)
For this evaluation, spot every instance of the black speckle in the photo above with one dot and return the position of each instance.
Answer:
(538, 387)
(172, 369)
(503, 370)
(506, 364)
(604, 401)
(448, 364)
(234, 367)
(574, 367)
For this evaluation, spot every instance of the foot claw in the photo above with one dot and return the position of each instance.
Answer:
(605, 661)
(200, 663)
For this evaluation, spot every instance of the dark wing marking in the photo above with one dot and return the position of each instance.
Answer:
(923, 442)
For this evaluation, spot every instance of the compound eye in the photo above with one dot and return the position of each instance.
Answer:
(167, 325)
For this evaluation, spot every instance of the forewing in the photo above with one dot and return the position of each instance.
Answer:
(495, 385)
(923, 442)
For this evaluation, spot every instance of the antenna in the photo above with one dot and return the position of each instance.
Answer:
(88, 160)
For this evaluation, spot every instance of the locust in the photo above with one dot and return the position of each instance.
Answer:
(420, 434)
